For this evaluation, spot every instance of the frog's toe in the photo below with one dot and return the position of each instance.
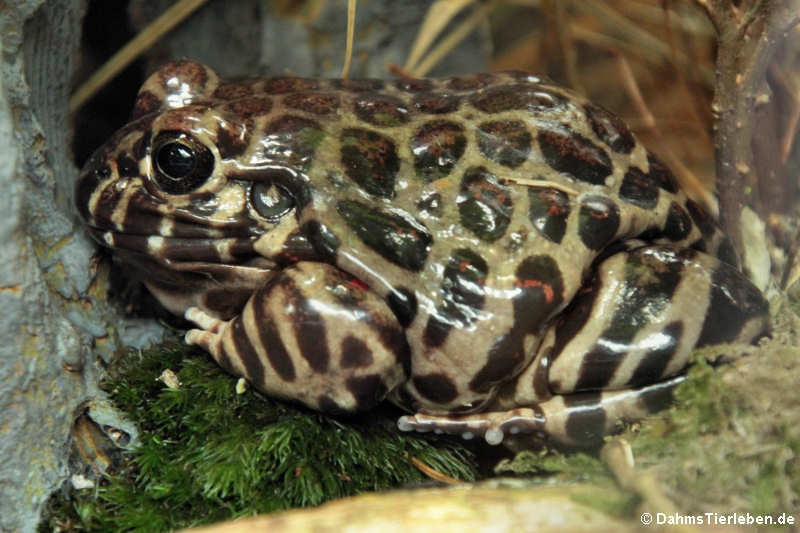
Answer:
(492, 426)
(206, 340)
(210, 336)
(203, 319)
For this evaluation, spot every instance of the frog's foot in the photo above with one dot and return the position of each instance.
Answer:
(209, 337)
(580, 419)
(492, 426)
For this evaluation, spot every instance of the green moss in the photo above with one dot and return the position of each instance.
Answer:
(577, 467)
(208, 454)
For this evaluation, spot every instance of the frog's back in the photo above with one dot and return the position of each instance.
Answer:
(478, 204)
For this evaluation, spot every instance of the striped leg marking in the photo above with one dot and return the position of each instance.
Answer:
(580, 419)
(312, 334)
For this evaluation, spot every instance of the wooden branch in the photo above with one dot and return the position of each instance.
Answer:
(747, 39)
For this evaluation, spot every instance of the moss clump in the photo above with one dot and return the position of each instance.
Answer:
(208, 454)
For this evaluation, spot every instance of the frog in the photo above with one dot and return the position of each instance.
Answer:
(493, 253)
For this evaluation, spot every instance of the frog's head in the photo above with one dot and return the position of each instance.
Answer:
(189, 185)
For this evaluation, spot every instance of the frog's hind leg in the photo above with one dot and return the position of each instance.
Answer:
(580, 419)
(618, 346)
(312, 334)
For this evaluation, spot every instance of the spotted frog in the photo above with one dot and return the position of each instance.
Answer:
(491, 252)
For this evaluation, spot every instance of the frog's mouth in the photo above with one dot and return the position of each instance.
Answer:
(179, 253)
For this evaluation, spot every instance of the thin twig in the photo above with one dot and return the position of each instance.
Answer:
(557, 12)
(686, 176)
(351, 30)
(791, 89)
(692, 103)
(542, 184)
(432, 472)
(438, 16)
(454, 38)
(704, 74)
(143, 41)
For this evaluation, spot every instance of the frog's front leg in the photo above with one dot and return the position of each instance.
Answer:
(618, 349)
(312, 334)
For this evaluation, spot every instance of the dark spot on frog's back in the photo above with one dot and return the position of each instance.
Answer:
(661, 174)
(549, 210)
(598, 221)
(370, 160)
(392, 233)
(518, 96)
(413, 84)
(610, 129)
(436, 103)
(678, 224)
(484, 204)
(380, 109)
(639, 189)
(358, 85)
(437, 146)
(317, 103)
(431, 205)
(287, 84)
(471, 82)
(507, 142)
(462, 294)
(436, 388)
(249, 107)
(232, 91)
(538, 292)
(293, 141)
(573, 154)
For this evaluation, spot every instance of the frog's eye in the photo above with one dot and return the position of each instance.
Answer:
(271, 200)
(182, 163)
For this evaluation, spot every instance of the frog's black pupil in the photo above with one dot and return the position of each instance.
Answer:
(176, 160)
